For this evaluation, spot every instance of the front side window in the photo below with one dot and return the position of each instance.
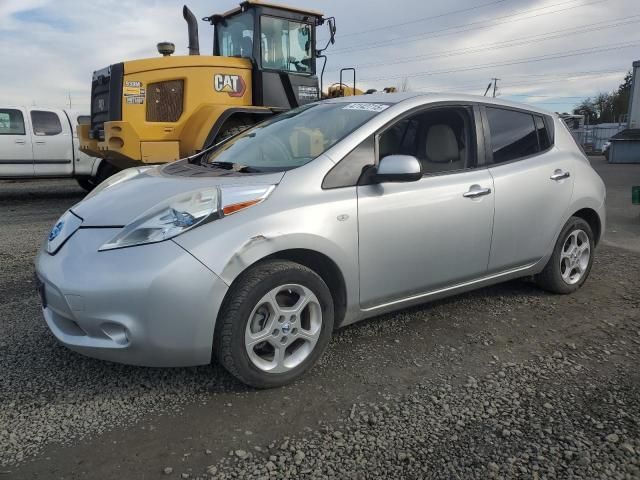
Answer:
(235, 36)
(11, 122)
(513, 134)
(292, 139)
(45, 123)
(286, 45)
(441, 139)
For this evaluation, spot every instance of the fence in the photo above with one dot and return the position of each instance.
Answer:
(592, 137)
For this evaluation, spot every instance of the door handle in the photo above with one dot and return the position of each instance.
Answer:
(476, 191)
(21, 142)
(40, 142)
(559, 175)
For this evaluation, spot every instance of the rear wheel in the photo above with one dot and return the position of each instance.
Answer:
(275, 324)
(572, 258)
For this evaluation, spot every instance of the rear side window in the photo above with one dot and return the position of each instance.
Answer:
(11, 122)
(45, 123)
(84, 119)
(513, 134)
(543, 133)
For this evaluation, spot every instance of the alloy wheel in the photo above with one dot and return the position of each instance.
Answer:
(574, 257)
(283, 328)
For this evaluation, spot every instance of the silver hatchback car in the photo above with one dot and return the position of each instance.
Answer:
(256, 250)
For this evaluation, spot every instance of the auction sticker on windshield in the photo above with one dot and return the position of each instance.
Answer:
(369, 107)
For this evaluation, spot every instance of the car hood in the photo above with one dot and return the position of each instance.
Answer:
(122, 202)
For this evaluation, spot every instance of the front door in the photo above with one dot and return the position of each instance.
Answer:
(16, 157)
(52, 143)
(420, 236)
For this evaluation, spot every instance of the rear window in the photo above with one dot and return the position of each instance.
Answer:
(11, 122)
(45, 123)
(513, 134)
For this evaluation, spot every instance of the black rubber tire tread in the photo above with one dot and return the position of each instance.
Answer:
(105, 170)
(550, 278)
(228, 342)
(231, 131)
(86, 183)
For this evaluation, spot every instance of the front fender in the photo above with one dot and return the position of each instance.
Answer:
(323, 221)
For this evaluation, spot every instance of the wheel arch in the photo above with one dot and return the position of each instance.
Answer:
(321, 264)
(253, 115)
(590, 216)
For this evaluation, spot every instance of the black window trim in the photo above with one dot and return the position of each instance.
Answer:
(488, 145)
(479, 136)
(259, 17)
(24, 122)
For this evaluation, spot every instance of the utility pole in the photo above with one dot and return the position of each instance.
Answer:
(495, 86)
(69, 95)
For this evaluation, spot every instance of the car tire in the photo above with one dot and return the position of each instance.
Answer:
(262, 316)
(571, 260)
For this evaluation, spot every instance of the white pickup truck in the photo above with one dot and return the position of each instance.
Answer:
(37, 142)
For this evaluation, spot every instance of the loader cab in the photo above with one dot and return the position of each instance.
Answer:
(280, 42)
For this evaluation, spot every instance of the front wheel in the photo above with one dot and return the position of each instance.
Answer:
(275, 324)
(570, 263)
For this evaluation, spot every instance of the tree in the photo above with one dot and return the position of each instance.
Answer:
(606, 107)
(588, 109)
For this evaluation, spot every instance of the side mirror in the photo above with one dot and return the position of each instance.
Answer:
(398, 168)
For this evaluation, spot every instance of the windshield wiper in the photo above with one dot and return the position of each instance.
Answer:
(236, 167)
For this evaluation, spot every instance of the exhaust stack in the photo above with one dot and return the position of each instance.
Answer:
(192, 23)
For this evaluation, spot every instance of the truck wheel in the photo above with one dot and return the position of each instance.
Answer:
(232, 129)
(105, 170)
(275, 323)
(571, 260)
(86, 183)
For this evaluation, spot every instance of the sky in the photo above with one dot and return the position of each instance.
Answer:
(551, 53)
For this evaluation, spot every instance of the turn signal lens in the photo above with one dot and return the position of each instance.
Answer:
(236, 207)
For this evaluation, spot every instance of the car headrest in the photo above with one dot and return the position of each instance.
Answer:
(441, 145)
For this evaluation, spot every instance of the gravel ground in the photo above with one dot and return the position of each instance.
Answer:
(530, 385)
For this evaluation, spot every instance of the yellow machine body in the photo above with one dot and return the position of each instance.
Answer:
(210, 86)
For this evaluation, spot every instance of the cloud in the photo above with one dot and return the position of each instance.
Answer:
(50, 48)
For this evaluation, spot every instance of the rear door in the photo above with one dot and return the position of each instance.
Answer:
(533, 186)
(52, 143)
(16, 156)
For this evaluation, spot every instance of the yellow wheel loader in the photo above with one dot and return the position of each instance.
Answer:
(157, 110)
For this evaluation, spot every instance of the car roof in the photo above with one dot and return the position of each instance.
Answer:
(417, 98)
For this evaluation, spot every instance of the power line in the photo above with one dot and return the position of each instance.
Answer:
(419, 20)
(541, 96)
(447, 30)
(571, 53)
(597, 26)
(560, 77)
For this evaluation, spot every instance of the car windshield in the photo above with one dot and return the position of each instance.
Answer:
(292, 139)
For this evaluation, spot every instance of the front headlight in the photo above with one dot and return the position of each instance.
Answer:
(186, 211)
